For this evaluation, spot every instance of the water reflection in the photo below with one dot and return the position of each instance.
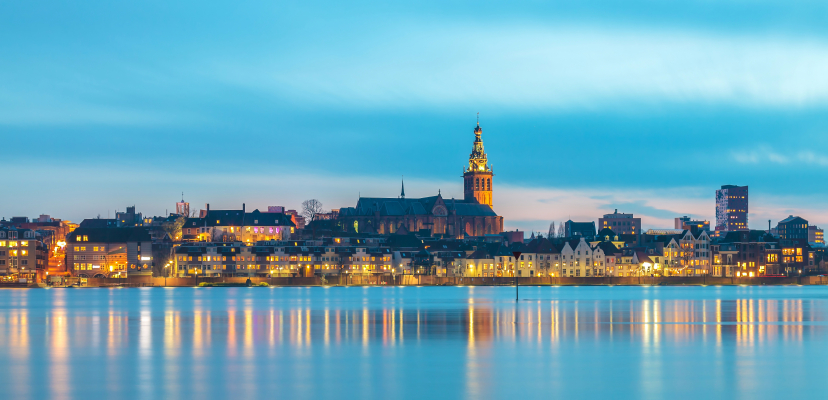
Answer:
(407, 342)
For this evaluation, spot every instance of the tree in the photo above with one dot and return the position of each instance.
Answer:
(310, 209)
(551, 230)
(561, 231)
(173, 228)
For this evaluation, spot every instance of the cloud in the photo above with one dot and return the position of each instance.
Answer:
(525, 208)
(764, 154)
(551, 66)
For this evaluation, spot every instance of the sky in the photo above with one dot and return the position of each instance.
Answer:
(586, 106)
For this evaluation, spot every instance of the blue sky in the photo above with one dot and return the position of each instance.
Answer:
(586, 106)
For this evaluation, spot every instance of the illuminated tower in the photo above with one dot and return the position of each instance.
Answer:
(182, 208)
(477, 177)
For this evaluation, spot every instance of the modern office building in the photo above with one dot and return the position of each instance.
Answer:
(732, 208)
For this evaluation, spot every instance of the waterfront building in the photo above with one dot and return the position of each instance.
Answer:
(282, 259)
(758, 253)
(546, 256)
(577, 258)
(22, 254)
(732, 208)
(624, 224)
(109, 252)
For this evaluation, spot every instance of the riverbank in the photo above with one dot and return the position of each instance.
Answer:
(426, 280)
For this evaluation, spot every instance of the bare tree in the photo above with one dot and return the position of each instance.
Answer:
(551, 230)
(561, 231)
(310, 209)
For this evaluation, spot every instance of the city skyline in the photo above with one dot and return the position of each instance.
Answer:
(587, 108)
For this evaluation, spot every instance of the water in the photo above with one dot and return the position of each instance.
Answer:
(410, 342)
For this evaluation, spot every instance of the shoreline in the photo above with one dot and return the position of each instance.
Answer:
(428, 280)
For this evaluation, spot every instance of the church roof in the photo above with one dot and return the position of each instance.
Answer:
(389, 206)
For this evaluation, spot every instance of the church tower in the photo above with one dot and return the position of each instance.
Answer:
(477, 177)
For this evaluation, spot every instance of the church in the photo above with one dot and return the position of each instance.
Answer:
(435, 215)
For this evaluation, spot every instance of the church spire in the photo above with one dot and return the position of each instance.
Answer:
(402, 190)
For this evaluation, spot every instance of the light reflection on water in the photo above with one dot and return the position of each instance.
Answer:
(467, 342)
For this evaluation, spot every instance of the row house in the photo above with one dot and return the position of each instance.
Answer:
(579, 259)
(539, 257)
(684, 254)
(480, 263)
(279, 260)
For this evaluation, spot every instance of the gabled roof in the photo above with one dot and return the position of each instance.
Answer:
(608, 248)
(479, 254)
(240, 218)
(792, 218)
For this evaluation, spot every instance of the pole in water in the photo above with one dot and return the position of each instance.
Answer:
(517, 256)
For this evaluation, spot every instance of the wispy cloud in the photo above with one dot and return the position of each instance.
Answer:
(550, 66)
(766, 154)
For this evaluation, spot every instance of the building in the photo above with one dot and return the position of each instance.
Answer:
(109, 252)
(622, 224)
(685, 223)
(434, 215)
(477, 177)
(816, 235)
(430, 215)
(757, 253)
(182, 207)
(129, 218)
(732, 208)
(582, 229)
(237, 225)
(298, 220)
(22, 254)
(792, 228)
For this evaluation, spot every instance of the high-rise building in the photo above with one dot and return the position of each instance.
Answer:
(477, 177)
(732, 208)
(621, 224)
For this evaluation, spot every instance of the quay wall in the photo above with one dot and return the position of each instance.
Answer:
(426, 280)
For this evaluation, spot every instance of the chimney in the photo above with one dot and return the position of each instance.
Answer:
(208, 207)
(242, 207)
